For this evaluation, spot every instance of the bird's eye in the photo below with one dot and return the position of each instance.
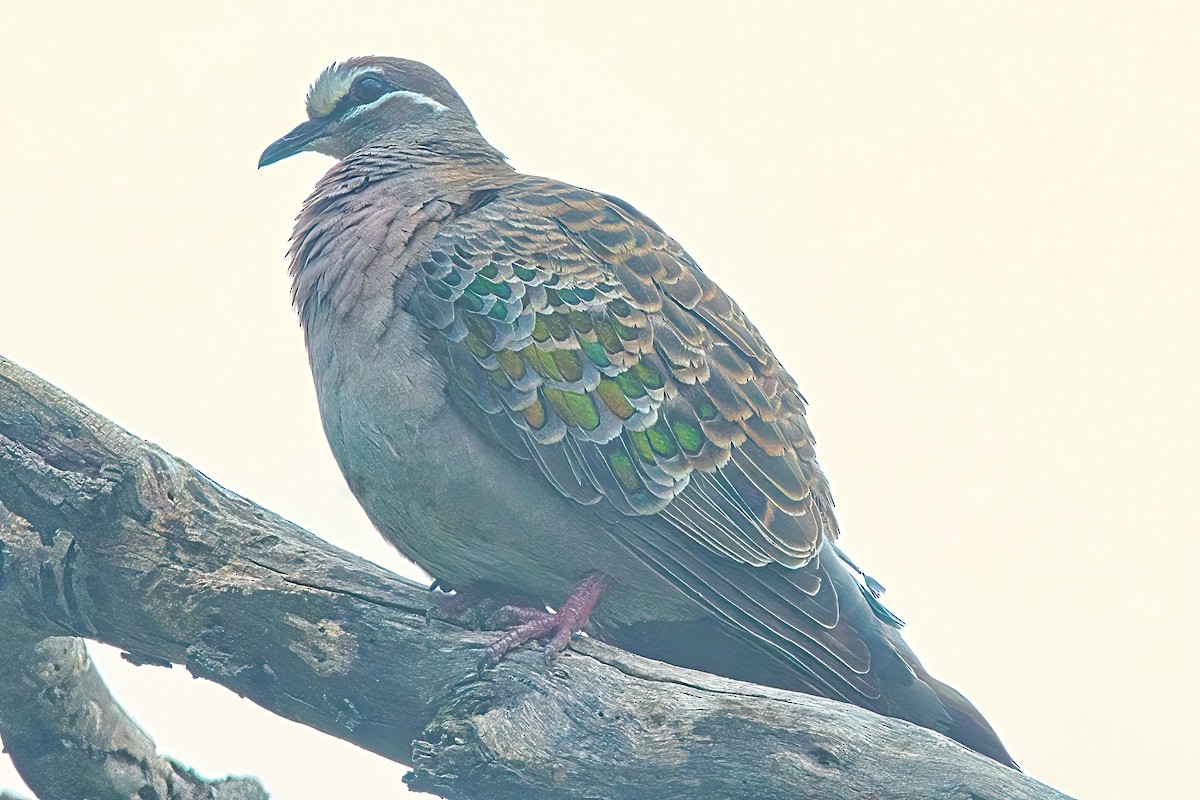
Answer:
(368, 89)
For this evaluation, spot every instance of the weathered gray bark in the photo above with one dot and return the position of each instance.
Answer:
(106, 536)
(70, 738)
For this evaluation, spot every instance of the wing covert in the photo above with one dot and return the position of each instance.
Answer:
(588, 343)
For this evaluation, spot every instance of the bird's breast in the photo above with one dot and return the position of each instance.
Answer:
(444, 495)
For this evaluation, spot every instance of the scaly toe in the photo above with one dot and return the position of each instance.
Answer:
(572, 617)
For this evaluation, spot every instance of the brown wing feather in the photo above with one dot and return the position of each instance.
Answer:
(596, 336)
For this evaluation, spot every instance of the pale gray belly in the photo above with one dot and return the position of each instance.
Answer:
(451, 500)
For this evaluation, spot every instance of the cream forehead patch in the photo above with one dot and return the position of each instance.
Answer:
(330, 87)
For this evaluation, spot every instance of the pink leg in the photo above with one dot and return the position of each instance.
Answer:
(573, 616)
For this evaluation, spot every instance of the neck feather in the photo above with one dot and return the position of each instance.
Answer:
(365, 217)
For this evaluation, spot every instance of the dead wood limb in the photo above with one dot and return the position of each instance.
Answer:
(106, 536)
(70, 739)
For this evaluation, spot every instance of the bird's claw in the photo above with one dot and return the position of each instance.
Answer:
(560, 625)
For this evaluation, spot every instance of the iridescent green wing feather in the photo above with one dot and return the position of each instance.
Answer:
(588, 342)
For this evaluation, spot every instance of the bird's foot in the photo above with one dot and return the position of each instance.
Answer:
(560, 626)
(481, 606)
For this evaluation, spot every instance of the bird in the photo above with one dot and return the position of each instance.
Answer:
(536, 393)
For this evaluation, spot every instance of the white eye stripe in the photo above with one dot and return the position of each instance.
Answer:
(415, 97)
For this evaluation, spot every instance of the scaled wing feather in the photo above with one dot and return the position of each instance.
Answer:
(626, 371)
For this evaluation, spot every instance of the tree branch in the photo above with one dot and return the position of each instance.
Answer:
(70, 739)
(106, 536)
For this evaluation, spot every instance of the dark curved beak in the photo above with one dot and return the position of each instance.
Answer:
(294, 142)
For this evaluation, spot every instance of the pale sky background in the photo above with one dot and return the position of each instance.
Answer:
(969, 230)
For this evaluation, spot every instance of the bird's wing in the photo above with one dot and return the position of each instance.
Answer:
(588, 343)
(597, 349)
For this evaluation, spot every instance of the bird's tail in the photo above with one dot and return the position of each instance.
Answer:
(968, 726)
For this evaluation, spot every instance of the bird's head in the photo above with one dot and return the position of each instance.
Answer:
(370, 100)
